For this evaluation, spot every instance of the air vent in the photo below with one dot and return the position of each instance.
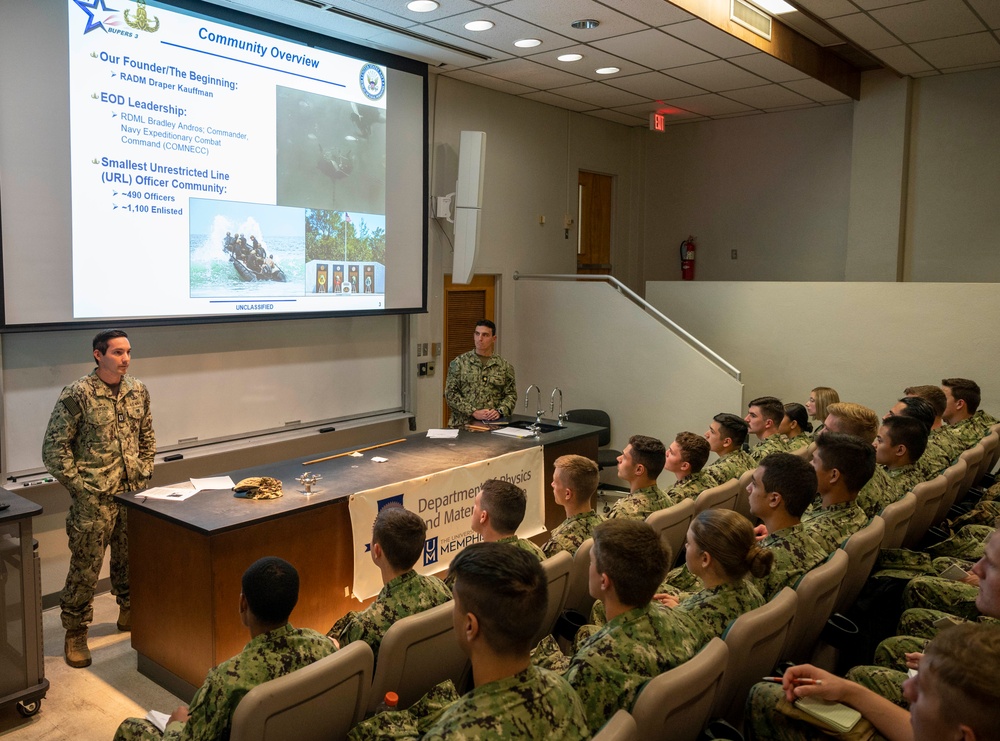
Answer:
(750, 17)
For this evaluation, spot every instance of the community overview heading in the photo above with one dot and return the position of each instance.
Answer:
(256, 47)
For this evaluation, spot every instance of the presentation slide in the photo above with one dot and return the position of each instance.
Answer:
(219, 170)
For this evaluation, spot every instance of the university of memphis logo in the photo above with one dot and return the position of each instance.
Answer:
(430, 551)
(372, 81)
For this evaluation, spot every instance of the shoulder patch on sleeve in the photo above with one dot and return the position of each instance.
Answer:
(71, 405)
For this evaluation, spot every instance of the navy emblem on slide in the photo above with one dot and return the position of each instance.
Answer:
(430, 551)
(372, 81)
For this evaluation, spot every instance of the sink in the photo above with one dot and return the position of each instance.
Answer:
(525, 424)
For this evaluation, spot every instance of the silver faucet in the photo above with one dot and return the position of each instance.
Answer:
(538, 411)
(552, 406)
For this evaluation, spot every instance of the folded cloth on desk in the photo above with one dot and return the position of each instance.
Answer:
(258, 487)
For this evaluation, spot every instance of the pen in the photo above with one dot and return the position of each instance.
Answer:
(37, 482)
(796, 680)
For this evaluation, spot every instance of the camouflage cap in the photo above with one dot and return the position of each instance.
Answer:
(258, 487)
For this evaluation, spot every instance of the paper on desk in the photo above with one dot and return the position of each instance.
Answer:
(170, 493)
(378, 459)
(158, 719)
(513, 432)
(215, 482)
(443, 434)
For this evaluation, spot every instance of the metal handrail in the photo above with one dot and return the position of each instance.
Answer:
(650, 309)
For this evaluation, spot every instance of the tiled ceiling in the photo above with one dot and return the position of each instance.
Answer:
(668, 59)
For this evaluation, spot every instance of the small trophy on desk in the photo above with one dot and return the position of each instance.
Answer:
(307, 480)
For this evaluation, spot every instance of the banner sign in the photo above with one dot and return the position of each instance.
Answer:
(444, 501)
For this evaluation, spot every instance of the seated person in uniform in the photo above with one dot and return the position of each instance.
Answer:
(962, 414)
(497, 514)
(685, 459)
(574, 484)
(270, 591)
(640, 464)
(855, 419)
(939, 451)
(782, 487)
(726, 435)
(501, 597)
(795, 425)
(954, 695)
(843, 463)
(397, 543)
(819, 399)
(898, 446)
(764, 415)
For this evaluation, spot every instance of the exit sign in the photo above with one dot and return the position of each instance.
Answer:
(657, 122)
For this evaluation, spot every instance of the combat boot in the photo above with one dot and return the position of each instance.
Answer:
(124, 619)
(76, 650)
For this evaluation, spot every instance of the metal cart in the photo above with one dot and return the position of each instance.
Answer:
(22, 659)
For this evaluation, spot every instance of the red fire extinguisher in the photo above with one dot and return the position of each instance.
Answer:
(687, 258)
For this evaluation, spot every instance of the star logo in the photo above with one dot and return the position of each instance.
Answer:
(89, 8)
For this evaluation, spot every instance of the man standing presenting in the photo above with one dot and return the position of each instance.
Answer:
(480, 385)
(99, 443)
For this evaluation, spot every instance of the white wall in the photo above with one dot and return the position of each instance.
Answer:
(605, 352)
(867, 340)
(774, 187)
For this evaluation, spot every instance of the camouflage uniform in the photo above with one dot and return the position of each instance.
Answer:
(524, 545)
(640, 504)
(403, 596)
(968, 544)
(98, 445)
(802, 440)
(611, 667)
(986, 512)
(475, 382)
(795, 553)
(942, 449)
(764, 722)
(882, 681)
(534, 703)
(268, 656)
(936, 593)
(730, 466)
(972, 429)
(711, 610)
(903, 479)
(689, 487)
(831, 526)
(878, 493)
(571, 533)
(776, 443)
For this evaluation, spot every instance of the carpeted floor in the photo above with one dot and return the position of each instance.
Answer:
(88, 704)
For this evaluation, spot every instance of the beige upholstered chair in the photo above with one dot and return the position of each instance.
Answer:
(578, 597)
(722, 496)
(672, 524)
(897, 518)
(319, 701)
(621, 727)
(955, 475)
(817, 592)
(417, 653)
(743, 496)
(556, 569)
(862, 549)
(677, 703)
(929, 495)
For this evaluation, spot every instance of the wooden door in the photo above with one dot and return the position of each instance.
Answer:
(593, 252)
(464, 305)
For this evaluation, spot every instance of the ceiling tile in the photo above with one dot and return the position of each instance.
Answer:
(781, 109)
(494, 83)
(655, 13)
(903, 59)
(593, 59)
(717, 76)
(654, 49)
(816, 90)
(873, 4)
(559, 101)
(928, 20)
(462, 43)
(709, 38)
(620, 118)
(828, 8)
(654, 85)
(526, 72)
(818, 31)
(709, 105)
(767, 96)
(504, 33)
(864, 31)
(599, 94)
(398, 8)
(960, 51)
(376, 12)
(768, 67)
(989, 11)
(556, 16)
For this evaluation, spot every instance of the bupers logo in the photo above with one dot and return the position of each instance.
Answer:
(372, 81)
(430, 551)
(92, 22)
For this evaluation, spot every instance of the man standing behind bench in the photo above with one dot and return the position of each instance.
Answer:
(480, 385)
(99, 443)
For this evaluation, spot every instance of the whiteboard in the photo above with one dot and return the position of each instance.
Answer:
(209, 381)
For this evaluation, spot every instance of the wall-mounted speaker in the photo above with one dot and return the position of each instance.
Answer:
(468, 203)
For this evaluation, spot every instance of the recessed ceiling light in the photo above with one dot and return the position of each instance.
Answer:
(775, 7)
(606, 70)
(570, 57)
(527, 43)
(422, 6)
(479, 25)
(586, 24)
